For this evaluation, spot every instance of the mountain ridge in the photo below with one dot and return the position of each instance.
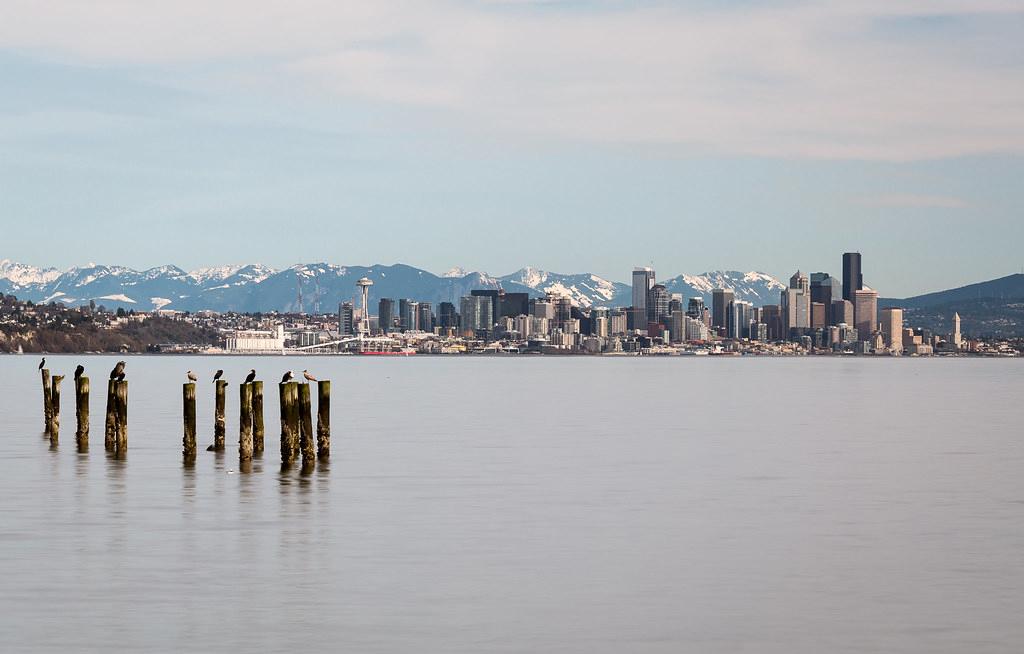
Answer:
(318, 287)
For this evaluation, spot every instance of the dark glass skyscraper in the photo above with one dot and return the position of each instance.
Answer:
(853, 280)
(386, 314)
(446, 315)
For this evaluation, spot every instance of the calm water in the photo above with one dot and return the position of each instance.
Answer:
(531, 505)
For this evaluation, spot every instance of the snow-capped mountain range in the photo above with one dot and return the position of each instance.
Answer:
(319, 287)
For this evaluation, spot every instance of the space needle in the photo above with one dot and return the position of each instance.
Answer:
(364, 285)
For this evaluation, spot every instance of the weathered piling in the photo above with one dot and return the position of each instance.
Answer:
(110, 424)
(323, 419)
(121, 415)
(289, 394)
(82, 412)
(219, 422)
(257, 417)
(306, 424)
(54, 429)
(245, 421)
(47, 410)
(188, 400)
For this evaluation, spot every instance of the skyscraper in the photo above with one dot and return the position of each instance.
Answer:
(853, 280)
(406, 316)
(424, 317)
(695, 308)
(515, 304)
(825, 288)
(796, 304)
(657, 303)
(842, 312)
(494, 295)
(643, 280)
(476, 313)
(386, 314)
(892, 328)
(865, 312)
(346, 319)
(721, 298)
(957, 337)
(446, 316)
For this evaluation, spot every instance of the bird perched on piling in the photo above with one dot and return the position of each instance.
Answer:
(251, 377)
(118, 371)
(120, 376)
(288, 376)
(191, 376)
(42, 363)
(218, 375)
(309, 377)
(78, 371)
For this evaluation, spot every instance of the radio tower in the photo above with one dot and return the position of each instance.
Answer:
(364, 285)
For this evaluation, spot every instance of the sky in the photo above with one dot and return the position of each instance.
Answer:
(569, 136)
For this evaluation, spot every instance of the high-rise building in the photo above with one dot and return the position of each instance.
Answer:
(695, 308)
(657, 303)
(447, 318)
(677, 327)
(796, 304)
(617, 322)
(406, 316)
(476, 314)
(825, 289)
(853, 279)
(865, 312)
(424, 317)
(721, 298)
(842, 312)
(957, 337)
(771, 315)
(818, 319)
(346, 319)
(515, 304)
(386, 314)
(542, 308)
(892, 328)
(643, 280)
(494, 295)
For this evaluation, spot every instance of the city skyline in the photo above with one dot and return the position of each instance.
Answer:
(567, 135)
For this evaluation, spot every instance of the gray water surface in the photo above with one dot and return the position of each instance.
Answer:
(530, 505)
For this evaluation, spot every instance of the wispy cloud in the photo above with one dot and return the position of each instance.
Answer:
(869, 80)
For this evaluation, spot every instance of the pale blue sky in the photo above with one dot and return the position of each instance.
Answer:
(568, 136)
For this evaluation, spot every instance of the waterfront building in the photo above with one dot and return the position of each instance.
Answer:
(256, 341)
(956, 338)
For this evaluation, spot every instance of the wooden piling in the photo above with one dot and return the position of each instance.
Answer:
(121, 415)
(245, 421)
(323, 419)
(257, 417)
(219, 421)
(82, 412)
(289, 394)
(54, 429)
(110, 424)
(47, 410)
(306, 424)
(188, 440)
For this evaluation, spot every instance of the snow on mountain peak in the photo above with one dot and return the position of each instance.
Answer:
(20, 274)
(457, 271)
